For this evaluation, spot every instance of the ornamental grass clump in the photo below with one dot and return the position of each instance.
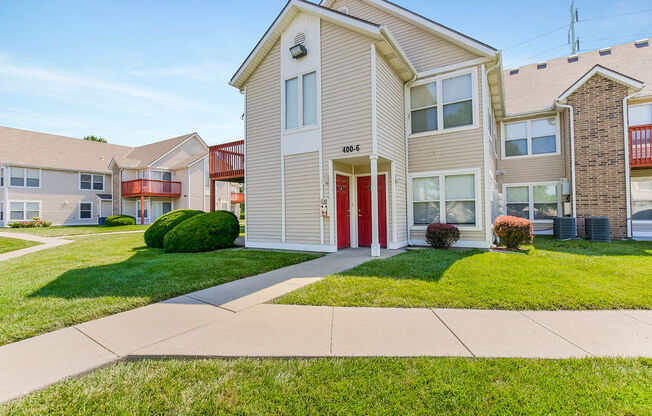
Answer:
(513, 231)
(442, 236)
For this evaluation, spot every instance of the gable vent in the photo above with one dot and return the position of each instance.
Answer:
(573, 58)
(542, 65)
(605, 51)
(513, 72)
(344, 10)
(642, 43)
(300, 39)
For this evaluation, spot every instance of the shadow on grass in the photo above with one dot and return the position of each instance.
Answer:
(426, 264)
(149, 273)
(592, 248)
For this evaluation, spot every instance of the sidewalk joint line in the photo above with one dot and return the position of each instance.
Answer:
(332, 324)
(454, 334)
(632, 317)
(97, 342)
(553, 332)
(211, 304)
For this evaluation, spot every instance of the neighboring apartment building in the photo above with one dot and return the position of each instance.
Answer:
(365, 122)
(69, 181)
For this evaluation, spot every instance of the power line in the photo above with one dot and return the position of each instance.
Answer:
(539, 54)
(617, 37)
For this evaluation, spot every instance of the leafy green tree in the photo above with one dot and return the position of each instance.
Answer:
(95, 139)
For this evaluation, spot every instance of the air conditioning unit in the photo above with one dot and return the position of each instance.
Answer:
(564, 228)
(597, 228)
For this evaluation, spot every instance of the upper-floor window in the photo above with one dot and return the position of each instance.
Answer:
(532, 202)
(445, 103)
(2, 176)
(161, 176)
(30, 178)
(301, 101)
(88, 181)
(531, 137)
(640, 115)
(207, 173)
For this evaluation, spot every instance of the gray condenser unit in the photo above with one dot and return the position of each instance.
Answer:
(597, 228)
(564, 228)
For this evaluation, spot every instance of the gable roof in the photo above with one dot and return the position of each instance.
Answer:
(290, 11)
(605, 72)
(532, 89)
(452, 35)
(35, 149)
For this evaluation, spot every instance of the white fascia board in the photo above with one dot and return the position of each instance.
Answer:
(396, 47)
(273, 33)
(607, 73)
(437, 28)
(176, 147)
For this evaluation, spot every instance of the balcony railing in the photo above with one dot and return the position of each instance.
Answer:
(150, 187)
(226, 161)
(640, 151)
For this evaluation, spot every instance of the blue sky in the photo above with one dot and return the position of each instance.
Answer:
(139, 71)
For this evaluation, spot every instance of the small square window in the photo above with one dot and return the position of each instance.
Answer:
(85, 210)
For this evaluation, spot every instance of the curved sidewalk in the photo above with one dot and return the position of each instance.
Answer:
(46, 242)
(236, 320)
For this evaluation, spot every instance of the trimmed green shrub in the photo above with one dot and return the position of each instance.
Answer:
(513, 231)
(442, 236)
(203, 232)
(166, 222)
(30, 224)
(117, 220)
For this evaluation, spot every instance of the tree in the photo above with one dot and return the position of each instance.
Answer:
(95, 139)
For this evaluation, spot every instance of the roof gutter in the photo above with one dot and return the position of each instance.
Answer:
(572, 149)
(628, 196)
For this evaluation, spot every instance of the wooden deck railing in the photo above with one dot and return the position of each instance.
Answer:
(226, 161)
(640, 151)
(150, 187)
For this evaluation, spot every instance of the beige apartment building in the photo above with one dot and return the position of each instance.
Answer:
(68, 181)
(365, 122)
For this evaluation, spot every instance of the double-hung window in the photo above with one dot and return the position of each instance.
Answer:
(301, 101)
(531, 137)
(448, 198)
(445, 103)
(532, 202)
(2, 176)
(21, 211)
(85, 210)
(30, 178)
(146, 209)
(642, 199)
(91, 182)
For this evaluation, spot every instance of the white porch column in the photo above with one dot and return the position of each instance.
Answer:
(375, 240)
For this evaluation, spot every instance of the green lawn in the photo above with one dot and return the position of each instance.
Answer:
(12, 244)
(102, 275)
(364, 386)
(66, 230)
(551, 275)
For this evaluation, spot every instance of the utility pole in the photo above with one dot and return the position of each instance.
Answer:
(572, 40)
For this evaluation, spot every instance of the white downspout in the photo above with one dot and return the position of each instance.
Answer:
(572, 149)
(628, 196)
(487, 153)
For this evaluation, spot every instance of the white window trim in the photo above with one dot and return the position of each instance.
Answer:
(9, 220)
(301, 128)
(648, 178)
(79, 217)
(629, 117)
(92, 178)
(529, 138)
(3, 182)
(440, 103)
(40, 178)
(151, 174)
(442, 197)
(148, 207)
(531, 186)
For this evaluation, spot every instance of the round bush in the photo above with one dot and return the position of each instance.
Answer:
(443, 236)
(203, 232)
(166, 222)
(116, 220)
(513, 231)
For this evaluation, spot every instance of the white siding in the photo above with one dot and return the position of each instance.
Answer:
(302, 209)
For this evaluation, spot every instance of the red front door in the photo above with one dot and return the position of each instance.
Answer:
(364, 211)
(343, 214)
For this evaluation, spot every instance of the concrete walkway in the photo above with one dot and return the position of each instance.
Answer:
(236, 320)
(46, 242)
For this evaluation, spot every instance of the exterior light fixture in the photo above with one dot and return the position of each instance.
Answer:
(298, 51)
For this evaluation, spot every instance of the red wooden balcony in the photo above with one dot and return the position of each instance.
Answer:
(226, 161)
(150, 187)
(640, 151)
